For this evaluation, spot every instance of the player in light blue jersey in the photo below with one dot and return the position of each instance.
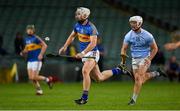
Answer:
(87, 35)
(143, 49)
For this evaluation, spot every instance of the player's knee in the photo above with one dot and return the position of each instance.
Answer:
(138, 80)
(136, 77)
(31, 78)
(140, 73)
(98, 79)
(36, 77)
(85, 72)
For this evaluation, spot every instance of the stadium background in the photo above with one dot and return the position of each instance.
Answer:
(55, 19)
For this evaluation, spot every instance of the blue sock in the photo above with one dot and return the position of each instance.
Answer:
(116, 71)
(85, 95)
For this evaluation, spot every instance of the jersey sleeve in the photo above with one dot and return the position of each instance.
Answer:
(127, 39)
(93, 31)
(151, 39)
(37, 41)
(74, 29)
(24, 42)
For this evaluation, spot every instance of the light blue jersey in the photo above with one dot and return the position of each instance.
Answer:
(139, 43)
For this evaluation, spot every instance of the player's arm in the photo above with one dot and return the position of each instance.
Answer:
(123, 52)
(124, 48)
(92, 44)
(68, 42)
(93, 40)
(70, 39)
(172, 46)
(178, 44)
(44, 46)
(24, 51)
(154, 50)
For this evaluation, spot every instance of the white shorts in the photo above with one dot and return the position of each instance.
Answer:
(136, 62)
(92, 54)
(35, 66)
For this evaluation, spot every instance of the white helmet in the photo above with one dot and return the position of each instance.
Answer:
(85, 12)
(138, 19)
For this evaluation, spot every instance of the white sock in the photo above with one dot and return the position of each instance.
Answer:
(155, 73)
(47, 79)
(38, 88)
(134, 97)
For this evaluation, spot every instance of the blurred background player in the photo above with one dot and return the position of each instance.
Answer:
(175, 44)
(18, 43)
(173, 69)
(35, 48)
(3, 51)
(87, 35)
(143, 50)
(172, 46)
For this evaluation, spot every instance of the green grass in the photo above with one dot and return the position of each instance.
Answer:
(103, 96)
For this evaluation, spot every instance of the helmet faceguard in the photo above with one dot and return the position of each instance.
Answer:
(138, 20)
(82, 13)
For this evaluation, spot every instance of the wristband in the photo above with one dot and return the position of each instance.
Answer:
(83, 52)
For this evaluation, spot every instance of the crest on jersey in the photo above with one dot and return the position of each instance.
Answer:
(81, 31)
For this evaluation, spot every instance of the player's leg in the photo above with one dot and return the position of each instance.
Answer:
(137, 85)
(37, 67)
(98, 76)
(149, 75)
(87, 67)
(31, 75)
(37, 85)
(139, 78)
(101, 76)
(138, 73)
(39, 90)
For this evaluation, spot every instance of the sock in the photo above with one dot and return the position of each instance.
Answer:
(38, 88)
(85, 95)
(155, 73)
(47, 79)
(134, 97)
(116, 71)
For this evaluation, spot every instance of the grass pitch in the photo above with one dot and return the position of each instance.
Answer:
(102, 96)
